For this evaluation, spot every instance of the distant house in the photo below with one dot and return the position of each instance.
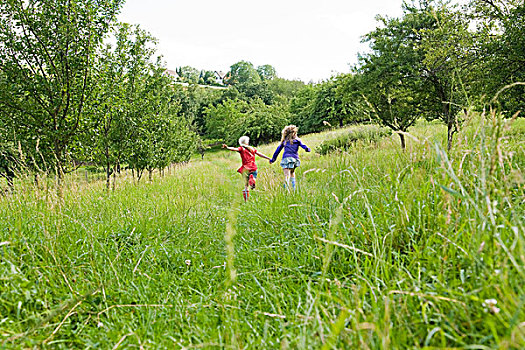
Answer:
(179, 80)
(172, 74)
(221, 77)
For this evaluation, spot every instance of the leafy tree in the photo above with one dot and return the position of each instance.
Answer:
(389, 76)
(266, 72)
(253, 91)
(353, 108)
(285, 89)
(417, 67)
(10, 161)
(220, 118)
(336, 101)
(188, 74)
(302, 108)
(194, 100)
(243, 72)
(447, 69)
(207, 77)
(502, 50)
(121, 73)
(262, 123)
(162, 135)
(234, 118)
(47, 56)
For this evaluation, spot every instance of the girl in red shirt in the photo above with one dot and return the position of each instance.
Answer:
(248, 168)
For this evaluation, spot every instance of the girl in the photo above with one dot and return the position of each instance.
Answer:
(248, 168)
(291, 143)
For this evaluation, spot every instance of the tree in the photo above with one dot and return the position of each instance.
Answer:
(302, 109)
(207, 77)
(47, 58)
(162, 135)
(193, 101)
(220, 118)
(501, 38)
(188, 74)
(389, 77)
(285, 89)
(448, 67)
(121, 73)
(253, 91)
(262, 123)
(243, 72)
(417, 67)
(266, 72)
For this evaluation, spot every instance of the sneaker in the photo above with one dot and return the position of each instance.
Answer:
(251, 181)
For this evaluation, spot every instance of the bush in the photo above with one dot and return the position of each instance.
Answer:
(370, 134)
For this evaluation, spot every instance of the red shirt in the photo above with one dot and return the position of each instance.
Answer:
(248, 159)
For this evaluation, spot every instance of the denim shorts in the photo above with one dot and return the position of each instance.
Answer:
(290, 163)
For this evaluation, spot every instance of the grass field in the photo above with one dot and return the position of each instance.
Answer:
(378, 248)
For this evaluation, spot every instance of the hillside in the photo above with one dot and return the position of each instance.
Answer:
(378, 248)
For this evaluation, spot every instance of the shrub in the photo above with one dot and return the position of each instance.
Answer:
(370, 134)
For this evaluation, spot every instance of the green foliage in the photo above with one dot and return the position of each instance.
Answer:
(266, 72)
(343, 142)
(47, 64)
(501, 51)
(254, 91)
(336, 102)
(188, 74)
(262, 123)
(285, 89)
(243, 72)
(235, 118)
(219, 119)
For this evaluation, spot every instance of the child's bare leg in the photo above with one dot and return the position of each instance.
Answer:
(246, 191)
(292, 177)
(286, 177)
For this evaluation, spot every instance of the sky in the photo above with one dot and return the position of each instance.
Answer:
(308, 40)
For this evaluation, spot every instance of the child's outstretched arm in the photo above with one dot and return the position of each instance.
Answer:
(276, 153)
(305, 147)
(230, 148)
(262, 155)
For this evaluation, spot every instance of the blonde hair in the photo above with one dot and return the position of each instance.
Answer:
(289, 133)
(244, 141)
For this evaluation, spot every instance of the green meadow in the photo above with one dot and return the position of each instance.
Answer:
(378, 248)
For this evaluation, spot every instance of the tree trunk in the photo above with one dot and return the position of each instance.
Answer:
(108, 176)
(403, 144)
(450, 136)
(114, 177)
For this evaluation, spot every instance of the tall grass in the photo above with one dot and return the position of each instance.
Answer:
(378, 248)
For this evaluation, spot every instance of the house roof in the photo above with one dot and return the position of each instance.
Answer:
(172, 73)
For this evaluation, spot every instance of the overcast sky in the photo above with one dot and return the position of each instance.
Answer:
(309, 40)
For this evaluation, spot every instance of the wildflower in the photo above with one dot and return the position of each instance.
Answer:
(490, 305)
(187, 262)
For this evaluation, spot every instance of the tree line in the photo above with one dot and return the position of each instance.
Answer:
(77, 87)
(436, 61)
